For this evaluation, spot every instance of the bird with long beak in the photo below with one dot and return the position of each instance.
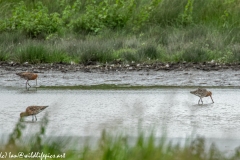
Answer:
(202, 92)
(32, 111)
(28, 76)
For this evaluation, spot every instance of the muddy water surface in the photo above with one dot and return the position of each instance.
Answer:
(88, 112)
(78, 112)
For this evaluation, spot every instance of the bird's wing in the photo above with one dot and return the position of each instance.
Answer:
(35, 109)
(23, 75)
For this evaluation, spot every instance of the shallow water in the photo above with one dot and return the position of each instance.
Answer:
(88, 112)
(85, 112)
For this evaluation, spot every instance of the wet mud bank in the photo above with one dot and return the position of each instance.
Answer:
(119, 75)
(119, 66)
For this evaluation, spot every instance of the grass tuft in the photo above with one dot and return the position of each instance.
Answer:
(37, 53)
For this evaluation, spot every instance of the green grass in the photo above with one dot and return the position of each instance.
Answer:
(3, 55)
(109, 147)
(37, 53)
(139, 31)
(191, 44)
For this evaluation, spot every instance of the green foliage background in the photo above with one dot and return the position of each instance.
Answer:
(131, 30)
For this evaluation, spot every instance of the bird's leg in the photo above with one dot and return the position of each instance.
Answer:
(29, 84)
(36, 117)
(36, 83)
(32, 118)
(201, 100)
(212, 99)
(26, 84)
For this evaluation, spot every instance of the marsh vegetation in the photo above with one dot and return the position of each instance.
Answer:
(89, 31)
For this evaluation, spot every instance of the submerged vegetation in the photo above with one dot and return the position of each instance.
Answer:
(83, 31)
(40, 146)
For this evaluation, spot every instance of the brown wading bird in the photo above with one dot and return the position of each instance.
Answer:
(202, 92)
(32, 111)
(28, 76)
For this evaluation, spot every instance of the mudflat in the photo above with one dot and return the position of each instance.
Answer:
(199, 74)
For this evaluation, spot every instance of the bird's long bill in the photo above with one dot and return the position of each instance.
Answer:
(193, 92)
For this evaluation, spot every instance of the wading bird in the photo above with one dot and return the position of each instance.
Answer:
(202, 92)
(32, 111)
(28, 76)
